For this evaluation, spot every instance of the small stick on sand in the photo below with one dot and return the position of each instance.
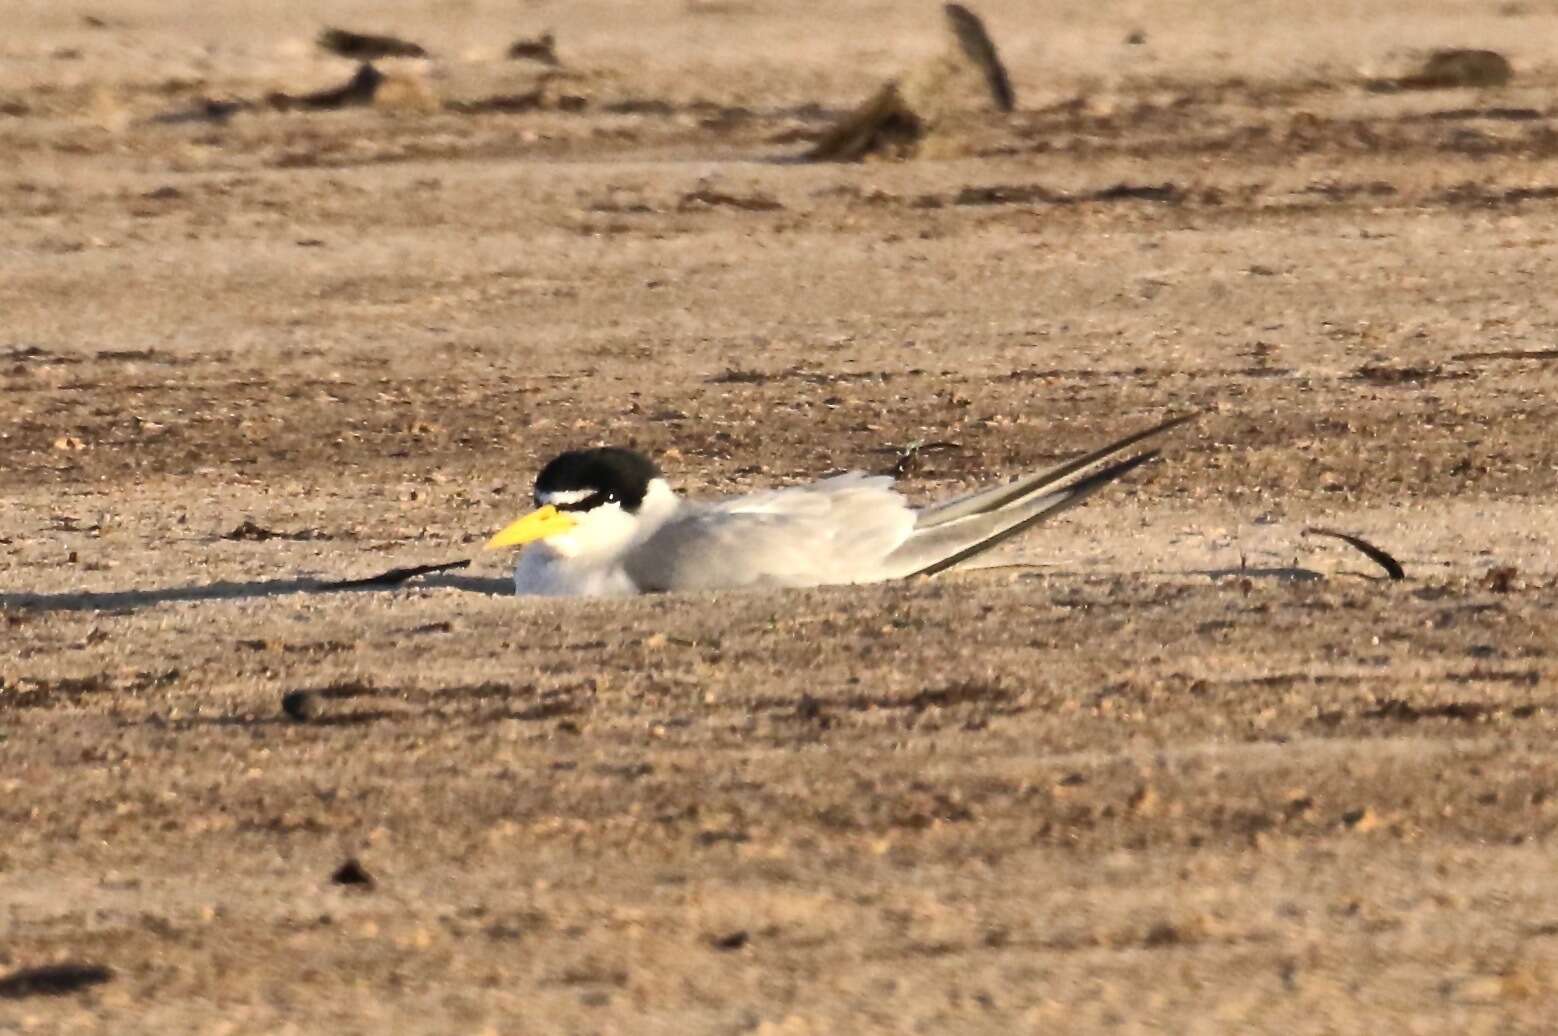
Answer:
(395, 576)
(979, 48)
(1391, 566)
(1508, 354)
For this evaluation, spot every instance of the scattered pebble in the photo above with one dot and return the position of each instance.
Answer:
(731, 940)
(1502, 580)
(301, 706)
(1361, 820)
(354, 875)
(251, 532)
(1451, 69)
(542, 48)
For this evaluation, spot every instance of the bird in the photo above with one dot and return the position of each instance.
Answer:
(608, 524)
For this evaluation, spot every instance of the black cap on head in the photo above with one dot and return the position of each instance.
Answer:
(610, 474)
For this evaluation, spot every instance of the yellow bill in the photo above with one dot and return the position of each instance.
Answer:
(537, 525)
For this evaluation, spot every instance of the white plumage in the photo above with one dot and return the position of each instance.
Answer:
(609, 525)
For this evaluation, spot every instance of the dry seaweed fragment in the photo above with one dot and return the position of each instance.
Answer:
(883, 125)
(895, 120)
(1391, 566)
(364, 46)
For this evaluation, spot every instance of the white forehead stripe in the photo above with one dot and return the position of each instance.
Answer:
(565, 496)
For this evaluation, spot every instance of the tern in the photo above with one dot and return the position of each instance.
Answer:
(607, 524)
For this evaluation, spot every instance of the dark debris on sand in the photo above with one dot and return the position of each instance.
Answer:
(53, 980)
(352, 874)
(364, 46)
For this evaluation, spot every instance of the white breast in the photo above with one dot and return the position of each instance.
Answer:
(541, 572)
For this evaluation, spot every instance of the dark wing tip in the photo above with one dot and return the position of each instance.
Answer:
(1078, 491)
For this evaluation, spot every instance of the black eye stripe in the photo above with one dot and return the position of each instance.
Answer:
(591, 501)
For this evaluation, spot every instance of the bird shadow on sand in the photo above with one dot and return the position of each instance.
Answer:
(132, 600)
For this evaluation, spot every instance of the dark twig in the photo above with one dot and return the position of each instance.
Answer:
(1508, 354)
(395, 576)
(977, 46)
(1391, 566)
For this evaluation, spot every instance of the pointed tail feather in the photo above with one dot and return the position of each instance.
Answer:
(985, 530)
(986, 500)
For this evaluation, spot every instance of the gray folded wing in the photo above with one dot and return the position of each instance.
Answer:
(856, 528)
(834, 531)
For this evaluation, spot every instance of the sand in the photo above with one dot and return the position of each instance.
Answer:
(1173, 766)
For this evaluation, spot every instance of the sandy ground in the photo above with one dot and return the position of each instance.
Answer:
(1175, 767)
